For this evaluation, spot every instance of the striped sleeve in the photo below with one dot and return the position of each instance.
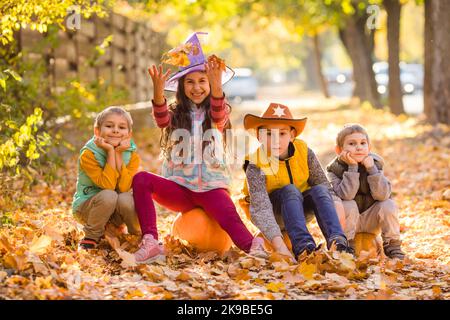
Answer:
(220, 112)
(161, 114)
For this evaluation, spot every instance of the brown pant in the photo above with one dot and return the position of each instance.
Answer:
(382, 217)
(108, 206)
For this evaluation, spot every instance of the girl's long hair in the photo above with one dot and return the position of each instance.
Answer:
(181, 119)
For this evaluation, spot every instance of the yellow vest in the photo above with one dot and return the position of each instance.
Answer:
(279, 173)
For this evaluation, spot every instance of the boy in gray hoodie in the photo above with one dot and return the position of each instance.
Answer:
(357, 178)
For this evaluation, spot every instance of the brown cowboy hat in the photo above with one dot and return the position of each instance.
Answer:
(275, 113)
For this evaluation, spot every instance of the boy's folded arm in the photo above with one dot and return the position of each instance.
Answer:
(347, 187)
(104, 178)
(127, 173)
(316, 173)
(161, 114)
(261, 211)
(380, 186)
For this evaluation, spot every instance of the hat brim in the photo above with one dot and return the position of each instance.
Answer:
(254, 122)
(172, 83)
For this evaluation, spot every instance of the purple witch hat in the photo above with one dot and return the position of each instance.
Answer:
(196, 59)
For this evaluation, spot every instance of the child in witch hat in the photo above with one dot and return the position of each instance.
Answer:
(186, 182)
(283, 179)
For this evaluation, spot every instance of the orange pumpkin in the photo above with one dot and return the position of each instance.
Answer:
(201, 231)
(366, 242)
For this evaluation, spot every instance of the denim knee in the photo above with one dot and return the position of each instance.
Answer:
(290, 192)
(320, 190)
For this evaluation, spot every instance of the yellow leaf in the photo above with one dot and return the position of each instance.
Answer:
(436, 292)
(44, 283)
(167, 295)
(15, 261)
(40, 246)
(183, 276)
(276, 286)
(242, 275)
(5, 244)
(133, 294)
(307, 270)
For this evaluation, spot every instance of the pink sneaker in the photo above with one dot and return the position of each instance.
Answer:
(257, 248)
(149, 251)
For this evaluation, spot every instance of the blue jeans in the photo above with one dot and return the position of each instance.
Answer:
(291, 204)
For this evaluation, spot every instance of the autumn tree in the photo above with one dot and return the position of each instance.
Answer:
(23, 96)
(437, 64)
(393, 9)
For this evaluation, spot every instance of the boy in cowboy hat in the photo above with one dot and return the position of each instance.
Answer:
(283, 179)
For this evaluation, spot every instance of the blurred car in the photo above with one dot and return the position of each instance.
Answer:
(243, 85)
(338, 76)
(410, 77)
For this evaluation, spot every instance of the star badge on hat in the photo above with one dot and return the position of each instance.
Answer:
(278, 111)
(275, 114)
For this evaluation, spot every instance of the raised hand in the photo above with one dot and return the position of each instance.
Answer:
(214, 68)
(159, 79)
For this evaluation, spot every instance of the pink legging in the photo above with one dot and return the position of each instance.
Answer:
(216, 203)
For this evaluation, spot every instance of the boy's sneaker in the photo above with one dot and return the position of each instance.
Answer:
(310, 248)
(392, 249)
(88, 244)
(342, 245)
(149, 251)
(351, 246)
(257, 248)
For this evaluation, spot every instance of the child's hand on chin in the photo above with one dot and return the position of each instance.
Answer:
(101, 143)
(123, 145)
(347, 158)
(368, 162)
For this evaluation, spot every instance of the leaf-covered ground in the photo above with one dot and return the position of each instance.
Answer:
(40, 260)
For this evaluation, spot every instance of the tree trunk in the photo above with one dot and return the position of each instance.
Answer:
(393, 9)
(428, 56)
(437, 64)
(318, 63)
(357, 44)
(312, 80)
